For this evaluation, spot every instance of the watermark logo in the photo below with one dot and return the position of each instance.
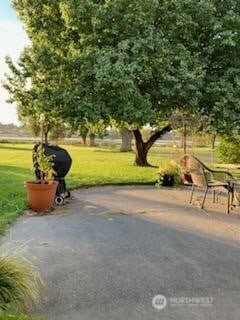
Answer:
(159, 302)
(191, 301)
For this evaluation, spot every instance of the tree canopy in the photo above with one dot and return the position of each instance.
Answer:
(118, 58)
(135, 61)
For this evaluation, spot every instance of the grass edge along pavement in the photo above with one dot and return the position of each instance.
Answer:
(19, 317)
(91, 167)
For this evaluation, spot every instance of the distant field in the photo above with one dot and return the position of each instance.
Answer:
(91, 166)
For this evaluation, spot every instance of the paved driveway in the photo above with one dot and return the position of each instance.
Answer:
(111, 250)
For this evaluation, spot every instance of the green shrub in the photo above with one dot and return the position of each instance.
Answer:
(228, 150)
(19, 284)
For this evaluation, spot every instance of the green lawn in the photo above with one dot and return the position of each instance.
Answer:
(91, 166)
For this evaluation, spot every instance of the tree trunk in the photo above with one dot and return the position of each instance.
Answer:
(92, 140)
(46, 136)
(142, 147)
(84, 139)
(184, 140)
(213, 140)
(141, 154)
(127, 137)
(83, 132)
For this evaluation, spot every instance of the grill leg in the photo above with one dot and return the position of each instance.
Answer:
(193, 187)
(204, 198)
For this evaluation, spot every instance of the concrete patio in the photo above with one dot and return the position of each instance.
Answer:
(107, 253)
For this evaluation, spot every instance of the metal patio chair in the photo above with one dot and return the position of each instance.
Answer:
(206, 178)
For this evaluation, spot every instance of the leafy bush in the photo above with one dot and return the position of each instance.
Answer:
(19, 284)
(228, 150)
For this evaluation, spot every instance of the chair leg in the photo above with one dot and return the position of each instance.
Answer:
(232, 196)
(204, 197)
(193, 187)
(213, 195)
(228, 202)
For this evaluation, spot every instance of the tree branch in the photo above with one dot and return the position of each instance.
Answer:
(158, 135)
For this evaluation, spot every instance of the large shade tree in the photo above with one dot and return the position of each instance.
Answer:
(136, 61)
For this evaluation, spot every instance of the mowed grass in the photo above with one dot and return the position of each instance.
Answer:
(91, 166)
(97, 166)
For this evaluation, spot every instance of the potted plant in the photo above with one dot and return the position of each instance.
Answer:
(186, 178)
(185, 174)
(41, 193)
(169, 175)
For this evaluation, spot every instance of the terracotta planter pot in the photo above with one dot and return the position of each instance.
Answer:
(41, 195)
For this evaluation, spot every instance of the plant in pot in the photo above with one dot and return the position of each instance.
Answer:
(185, 175)
(169, 175)
(41, 193)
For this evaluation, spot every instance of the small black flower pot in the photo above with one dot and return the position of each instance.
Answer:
(167, 180)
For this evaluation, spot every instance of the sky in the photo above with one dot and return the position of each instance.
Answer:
(12, 40)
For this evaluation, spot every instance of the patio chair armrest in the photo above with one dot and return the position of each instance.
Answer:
(220, 172)
(224, 172)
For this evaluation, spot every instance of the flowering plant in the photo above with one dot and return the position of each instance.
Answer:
(169, 174)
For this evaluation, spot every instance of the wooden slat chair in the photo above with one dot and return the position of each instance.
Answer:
(206, 178)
